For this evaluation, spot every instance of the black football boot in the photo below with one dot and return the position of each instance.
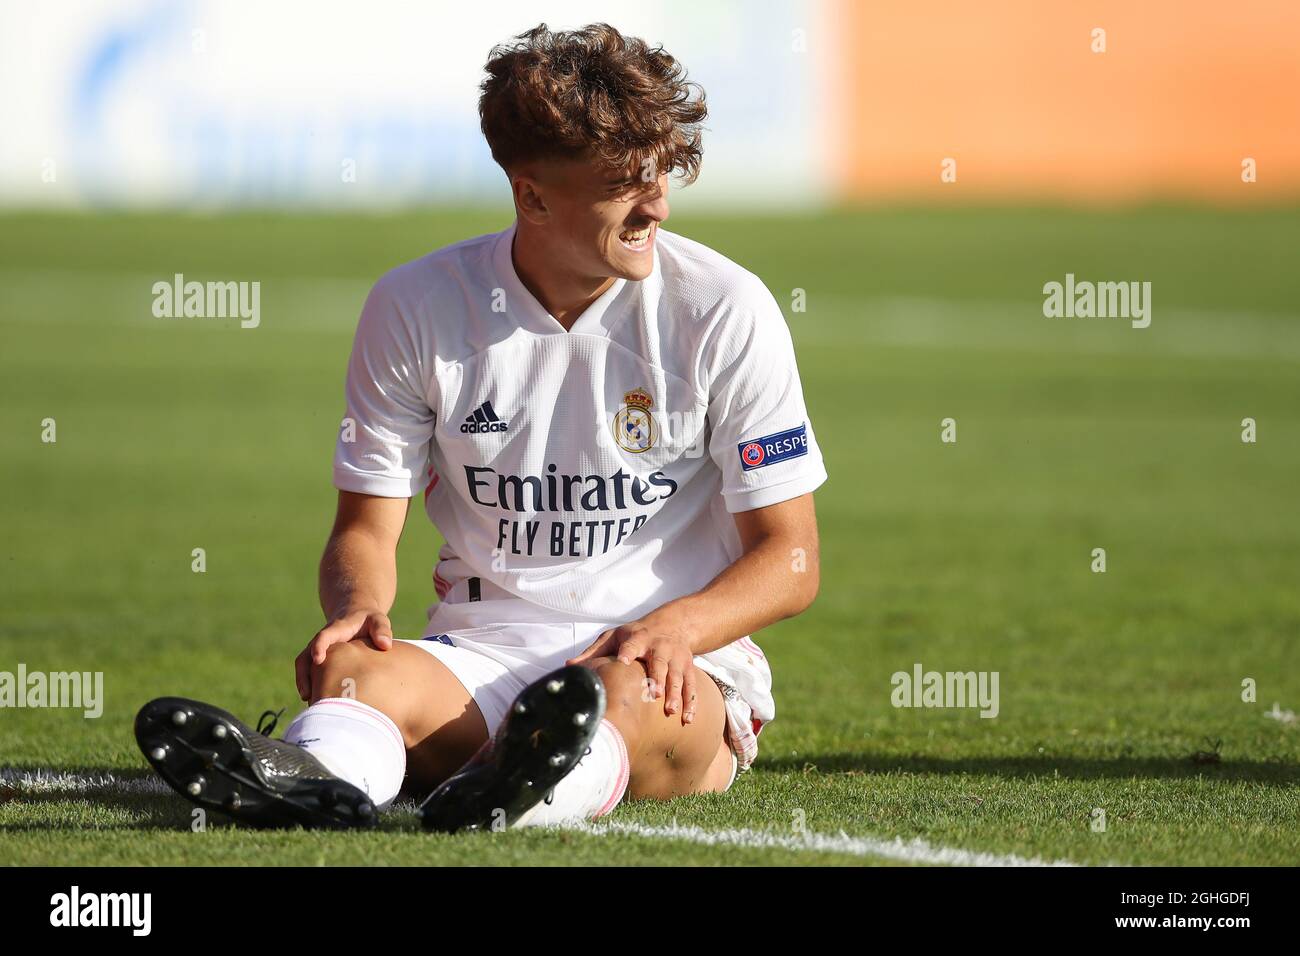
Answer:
(547, 731)
(213, 760)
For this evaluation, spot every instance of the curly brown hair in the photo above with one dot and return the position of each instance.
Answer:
(591, 92)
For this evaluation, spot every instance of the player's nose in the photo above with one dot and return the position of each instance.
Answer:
(654, 205)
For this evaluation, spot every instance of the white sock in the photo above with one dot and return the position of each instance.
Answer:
(356, 743)
(591, 789)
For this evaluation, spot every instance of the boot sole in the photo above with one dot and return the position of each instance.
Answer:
(548, 730)
(204, 754)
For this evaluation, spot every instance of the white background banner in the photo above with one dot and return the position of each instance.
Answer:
(206, 104)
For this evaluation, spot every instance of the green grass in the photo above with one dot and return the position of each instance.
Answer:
(1073, 435)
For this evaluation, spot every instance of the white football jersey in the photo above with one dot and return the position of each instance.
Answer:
(582, 475)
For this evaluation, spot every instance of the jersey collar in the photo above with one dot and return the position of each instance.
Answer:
(523, 306)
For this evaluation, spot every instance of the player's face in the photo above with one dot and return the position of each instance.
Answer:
(603, 222)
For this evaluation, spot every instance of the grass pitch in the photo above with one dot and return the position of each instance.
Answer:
(1073, 434)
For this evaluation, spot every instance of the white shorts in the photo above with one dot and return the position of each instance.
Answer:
(495, 662)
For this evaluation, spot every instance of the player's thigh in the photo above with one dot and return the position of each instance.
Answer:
(439, 721)
(668, 758)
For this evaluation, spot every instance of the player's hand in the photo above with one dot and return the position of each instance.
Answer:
(365, 624)
(663, 646)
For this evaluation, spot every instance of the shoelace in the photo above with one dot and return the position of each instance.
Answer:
(266, 723)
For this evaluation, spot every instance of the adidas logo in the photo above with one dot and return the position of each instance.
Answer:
(484, 419)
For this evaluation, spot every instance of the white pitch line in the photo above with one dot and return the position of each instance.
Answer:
(62, 781)
(904, 851)
(916, 850)
(40, 782)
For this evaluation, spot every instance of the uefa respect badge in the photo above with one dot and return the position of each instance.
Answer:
(770, 449)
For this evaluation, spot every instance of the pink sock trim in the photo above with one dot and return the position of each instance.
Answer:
(624, 772)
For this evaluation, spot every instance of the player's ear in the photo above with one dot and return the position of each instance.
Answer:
(529, 202)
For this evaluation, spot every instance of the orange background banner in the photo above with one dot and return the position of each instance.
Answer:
(1014, 93)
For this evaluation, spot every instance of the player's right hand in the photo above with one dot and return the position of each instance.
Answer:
(372, 625)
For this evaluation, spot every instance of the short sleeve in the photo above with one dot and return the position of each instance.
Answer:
(384, 442)
(761, 439)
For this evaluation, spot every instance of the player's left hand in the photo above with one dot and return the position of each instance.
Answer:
(663, 646)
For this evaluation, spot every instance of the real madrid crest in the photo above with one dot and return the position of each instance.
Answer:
(634, 426)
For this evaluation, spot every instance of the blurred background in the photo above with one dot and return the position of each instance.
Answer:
(917, 169)
(192, 104)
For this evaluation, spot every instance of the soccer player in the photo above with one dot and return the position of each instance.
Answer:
(605, 422)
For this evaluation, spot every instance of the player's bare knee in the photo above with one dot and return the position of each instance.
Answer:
(625, 685)
(627, 695)
(342, 669)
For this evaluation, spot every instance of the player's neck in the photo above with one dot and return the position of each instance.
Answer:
(562, 293)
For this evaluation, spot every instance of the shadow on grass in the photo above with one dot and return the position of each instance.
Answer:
(1278, 772)
(153, 806)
